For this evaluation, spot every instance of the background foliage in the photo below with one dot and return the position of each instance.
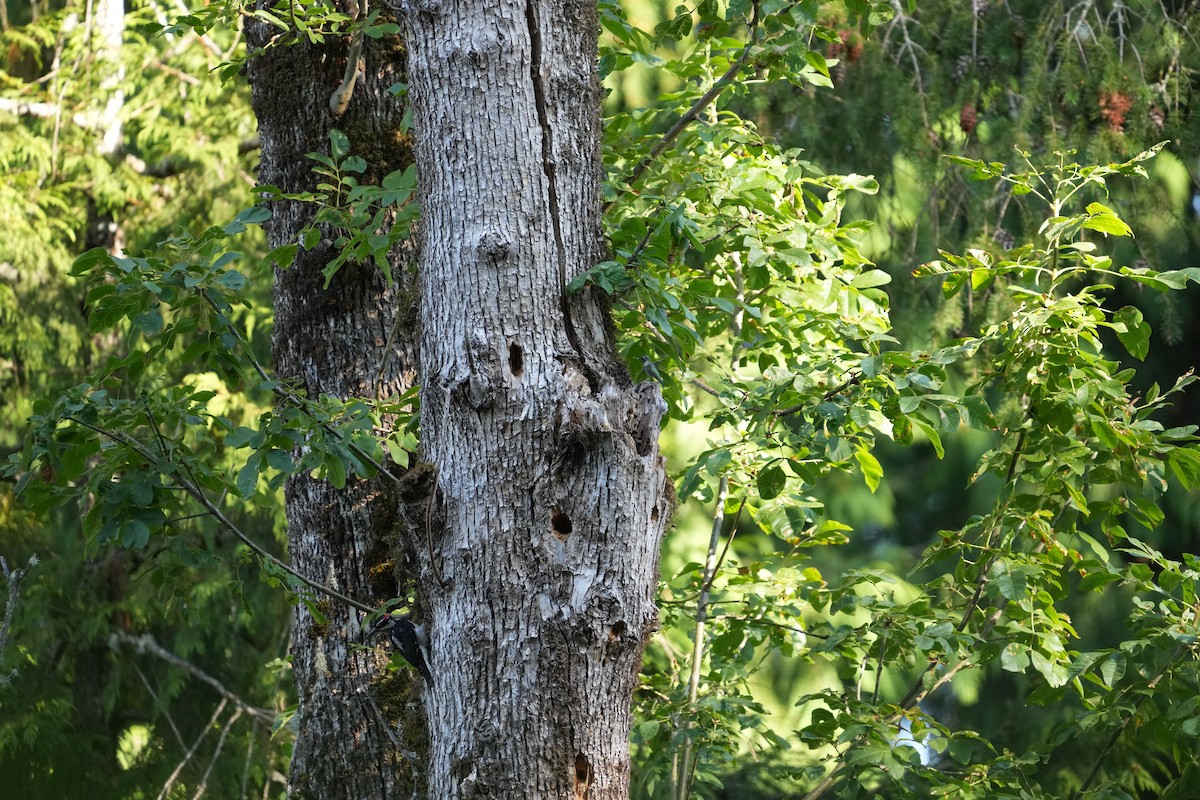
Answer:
(939, 538)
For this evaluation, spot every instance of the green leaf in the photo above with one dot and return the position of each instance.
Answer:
(870, 279)
(934, 437)
(92, 258)
(1051, 670)
(339, 144)
(1101, 218)
(871, 469)
(1133, 331)
(716, 461)
(1163, 281)
(135, 535)
(279, 460)
(381, 30)
(771, 481)
(232, 280)
(149, 322)
(282, 256)
(1113, 669)
(242, 436)
(865, 184)
(1185, 464)
(247, 477)
(1014, 657)
(335, 471)
(817, 62)
(309, 237)
(397, 453)
(1012, 585)
(255, 215)
(1097, 580)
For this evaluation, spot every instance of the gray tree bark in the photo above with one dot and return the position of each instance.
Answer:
(333, 341)
(536, 569)
(540, 597)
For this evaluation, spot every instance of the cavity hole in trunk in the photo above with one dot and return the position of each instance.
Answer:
(560, 523)
(516, 359)
(583, 774)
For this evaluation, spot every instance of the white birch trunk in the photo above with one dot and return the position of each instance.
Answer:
(554, 498)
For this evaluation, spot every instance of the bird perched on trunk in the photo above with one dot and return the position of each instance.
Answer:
(409, 640)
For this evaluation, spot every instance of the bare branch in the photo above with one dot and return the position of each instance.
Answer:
(158, 702)
(146, 643)
(192, 751)
(22, 108)
(684, 766)
(212, 762)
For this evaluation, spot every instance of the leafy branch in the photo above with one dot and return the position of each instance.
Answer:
(165, 467)
(200, 291)
(703, 102)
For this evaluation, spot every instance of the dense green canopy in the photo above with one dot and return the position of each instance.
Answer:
(932, 429)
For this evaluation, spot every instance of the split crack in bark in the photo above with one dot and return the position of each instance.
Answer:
(548, 166)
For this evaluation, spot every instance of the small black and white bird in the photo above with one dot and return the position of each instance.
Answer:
(408, 639)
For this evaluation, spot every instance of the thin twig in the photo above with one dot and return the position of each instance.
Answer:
(684, 767)
(698, 107)
(761, 621)
(212, 762)
(191, 751)
(879, 667)
(901, 21)
(158, 702)
(724, 551)
(383, 722)
(832, 393)
(246, 766)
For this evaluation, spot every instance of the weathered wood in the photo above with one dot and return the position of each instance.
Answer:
(554, 495)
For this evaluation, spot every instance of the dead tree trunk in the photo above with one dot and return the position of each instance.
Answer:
(553, 499)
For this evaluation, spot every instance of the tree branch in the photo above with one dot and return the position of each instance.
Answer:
(191, 751)
(295, 399)
(832, 393)
(146, 643)
(212, 762)
(704, 102)
(684, 767)
(1116, 735)
(198, 494)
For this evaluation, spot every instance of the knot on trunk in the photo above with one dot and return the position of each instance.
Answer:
(586, 417)
(483, 363)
